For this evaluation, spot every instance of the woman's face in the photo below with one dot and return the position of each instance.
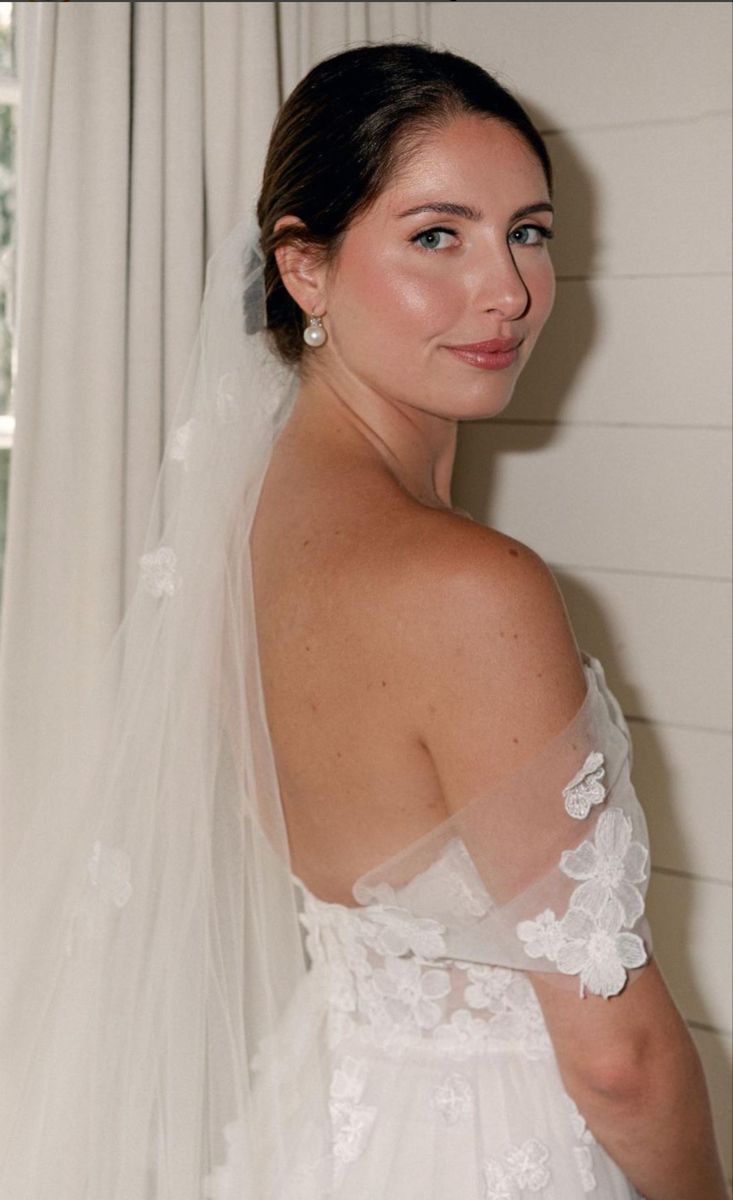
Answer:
(451, 256)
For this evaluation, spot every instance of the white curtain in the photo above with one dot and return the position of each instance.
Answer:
(309, 32)
(142, 135)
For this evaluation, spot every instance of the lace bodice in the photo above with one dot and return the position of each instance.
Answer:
(387, 981)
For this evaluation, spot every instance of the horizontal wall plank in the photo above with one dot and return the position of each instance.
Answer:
(716, 1052)
(546, 52)
(630, 499)
(683, 779)
(630, 201)
(691, 930)
(665, 643)
(632, 352)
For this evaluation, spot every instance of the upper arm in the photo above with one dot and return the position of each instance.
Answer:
(497, 672)
(501, 677)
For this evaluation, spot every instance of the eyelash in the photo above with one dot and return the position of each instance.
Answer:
(542, 230)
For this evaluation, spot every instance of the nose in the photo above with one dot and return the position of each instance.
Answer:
(500, 287)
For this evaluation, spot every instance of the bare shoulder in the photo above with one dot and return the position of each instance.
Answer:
(487, 650)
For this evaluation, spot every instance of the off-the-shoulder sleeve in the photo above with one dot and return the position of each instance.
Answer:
(549, 872)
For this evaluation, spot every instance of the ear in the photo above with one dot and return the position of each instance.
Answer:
(302, 273)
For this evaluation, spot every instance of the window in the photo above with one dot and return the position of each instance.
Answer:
(9, 100)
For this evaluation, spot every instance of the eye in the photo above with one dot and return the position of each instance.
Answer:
(430, 239)
(520, 236)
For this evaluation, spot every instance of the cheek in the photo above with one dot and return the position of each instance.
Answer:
(397, 297)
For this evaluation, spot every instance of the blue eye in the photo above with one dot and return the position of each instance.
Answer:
(542, 232)
(429, 239)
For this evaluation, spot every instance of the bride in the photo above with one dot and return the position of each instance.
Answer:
(343, 894)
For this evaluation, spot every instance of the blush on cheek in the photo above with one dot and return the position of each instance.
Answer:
(418, 308)
(392, 289)
(433, 302)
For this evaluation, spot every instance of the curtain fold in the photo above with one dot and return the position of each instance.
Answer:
(65, 518)
(143, 129)
(309, 32)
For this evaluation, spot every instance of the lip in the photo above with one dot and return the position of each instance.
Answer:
(495, 355)
(496, 346)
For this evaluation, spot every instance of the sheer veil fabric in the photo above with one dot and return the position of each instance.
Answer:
(150, 935)
(161, 1036)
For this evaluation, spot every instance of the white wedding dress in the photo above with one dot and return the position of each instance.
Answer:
(443, 1079)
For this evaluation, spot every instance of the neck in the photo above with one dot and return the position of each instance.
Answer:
(417, 447)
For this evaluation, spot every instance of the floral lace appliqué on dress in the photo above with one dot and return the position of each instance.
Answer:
(585, 789)
(582, 1153)
(590, 941)
(522, 1168)
(453, 1099)
(352, 1121)
(388, 984)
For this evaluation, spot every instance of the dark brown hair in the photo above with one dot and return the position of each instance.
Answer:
(339, 137)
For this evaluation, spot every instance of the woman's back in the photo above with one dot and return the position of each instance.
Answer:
(332, 546)
(374, 611)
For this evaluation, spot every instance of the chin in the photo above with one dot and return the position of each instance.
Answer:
(486, 405)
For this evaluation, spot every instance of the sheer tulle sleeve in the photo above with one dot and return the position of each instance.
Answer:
(549, 872)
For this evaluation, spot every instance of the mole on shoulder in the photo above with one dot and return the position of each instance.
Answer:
(514, 553)
(516, 741)
(384, 683)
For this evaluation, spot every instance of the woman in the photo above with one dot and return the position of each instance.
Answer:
(405, 757)
(414, 660)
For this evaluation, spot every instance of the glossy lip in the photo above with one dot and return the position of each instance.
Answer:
(496, 346)
(495, 355)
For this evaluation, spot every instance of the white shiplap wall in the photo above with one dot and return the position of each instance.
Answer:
(613, 460)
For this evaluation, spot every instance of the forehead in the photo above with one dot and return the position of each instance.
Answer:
(488, 162)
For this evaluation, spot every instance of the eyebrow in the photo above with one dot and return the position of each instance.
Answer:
(474, 214)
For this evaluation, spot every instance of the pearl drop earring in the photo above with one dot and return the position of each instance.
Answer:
(314, 334)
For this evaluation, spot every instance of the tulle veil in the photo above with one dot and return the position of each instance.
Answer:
(149, 927)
